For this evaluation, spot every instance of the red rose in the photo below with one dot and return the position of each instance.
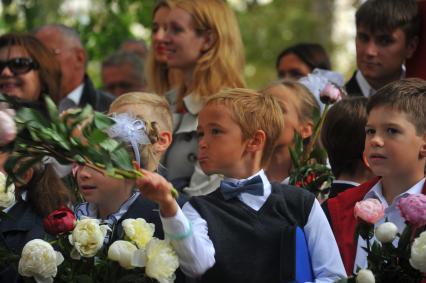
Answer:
(310, 178)
(59, 221)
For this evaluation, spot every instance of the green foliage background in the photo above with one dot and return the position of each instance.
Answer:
(266, 28)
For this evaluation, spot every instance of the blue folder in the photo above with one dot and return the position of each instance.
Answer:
(296, 266)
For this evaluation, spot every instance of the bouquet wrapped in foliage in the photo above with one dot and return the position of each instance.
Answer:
(78, 253)
(74, 136)
(308, 171)
(392, 257)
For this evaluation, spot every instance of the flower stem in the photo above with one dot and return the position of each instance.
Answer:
(312, 142)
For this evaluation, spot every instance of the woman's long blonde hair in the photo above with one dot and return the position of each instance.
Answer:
(160, 78)
(222, 66)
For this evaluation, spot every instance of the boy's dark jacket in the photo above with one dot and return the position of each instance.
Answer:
(342, 220)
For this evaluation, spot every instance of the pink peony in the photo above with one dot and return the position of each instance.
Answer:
(369, 210)
(8, 129)
(330, 94)
(413, 209)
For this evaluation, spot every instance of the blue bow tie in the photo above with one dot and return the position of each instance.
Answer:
(253, 186)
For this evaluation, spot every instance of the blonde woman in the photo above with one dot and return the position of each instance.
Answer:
(160, 78)
(204, 43)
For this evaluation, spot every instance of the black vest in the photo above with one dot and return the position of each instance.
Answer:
(251, 245)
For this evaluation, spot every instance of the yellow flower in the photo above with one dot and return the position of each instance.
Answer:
(122, 251)
(161, 261)
(39, 260)
(7, 196)
(87, 238)
(138, 231)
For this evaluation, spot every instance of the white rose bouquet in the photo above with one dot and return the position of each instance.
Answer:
(84, 256)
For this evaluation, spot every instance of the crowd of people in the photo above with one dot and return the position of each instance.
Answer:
(225, 147)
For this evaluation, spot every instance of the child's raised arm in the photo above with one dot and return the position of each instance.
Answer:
(154, 187)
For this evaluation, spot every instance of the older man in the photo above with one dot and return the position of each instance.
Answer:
(77, 89)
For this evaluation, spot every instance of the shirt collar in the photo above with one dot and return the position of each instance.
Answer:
(90, 210)
(193, 103)
(377, 193)
(75, 95)
(365, 87)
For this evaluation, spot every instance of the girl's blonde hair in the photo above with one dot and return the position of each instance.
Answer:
(221, 66)
(306, 106)
(154, 111)
(160, 78)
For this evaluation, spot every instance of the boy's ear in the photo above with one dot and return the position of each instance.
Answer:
(423, 148)
(164, 141)
(306, 130)
(210, 38)
(256, 142)
(412, 46)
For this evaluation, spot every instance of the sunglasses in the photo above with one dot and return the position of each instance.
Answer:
(19, 66)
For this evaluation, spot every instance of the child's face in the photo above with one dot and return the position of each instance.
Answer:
(221, 147)
(289, 106)
(100, 189)
(380, 55)
(392, 146)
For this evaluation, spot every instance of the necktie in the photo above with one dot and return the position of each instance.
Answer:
(253, 186)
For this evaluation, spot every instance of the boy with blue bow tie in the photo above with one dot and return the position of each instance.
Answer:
(239, 232)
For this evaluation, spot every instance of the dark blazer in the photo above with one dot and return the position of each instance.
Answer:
(337, 188)
(352, 87)
(140, 208)
(23, 225)
(99, 100)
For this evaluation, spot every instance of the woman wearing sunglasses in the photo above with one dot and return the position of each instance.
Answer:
(27, 68)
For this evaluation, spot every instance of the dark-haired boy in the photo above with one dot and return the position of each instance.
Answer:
(235, 233)
(386, 35)
(395, 148)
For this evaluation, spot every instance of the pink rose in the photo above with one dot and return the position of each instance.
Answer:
(8, 129)
(330, 94)
(413, 209)
(369, 210)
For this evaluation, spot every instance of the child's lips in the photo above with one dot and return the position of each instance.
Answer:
(376, 157)
(87, 187)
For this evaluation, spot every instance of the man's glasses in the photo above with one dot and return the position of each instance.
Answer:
(19, 66)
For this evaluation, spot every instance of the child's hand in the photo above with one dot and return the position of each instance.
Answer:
(154, 187)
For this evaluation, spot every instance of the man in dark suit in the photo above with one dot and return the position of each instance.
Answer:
(77, 89)
(387, 35)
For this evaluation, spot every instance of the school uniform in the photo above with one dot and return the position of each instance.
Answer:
(134, 207)
(22, 226)
(238, 240)
(343, 222)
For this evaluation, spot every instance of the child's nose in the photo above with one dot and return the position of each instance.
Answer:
(376, 140)
(83, 173)
(371, 48)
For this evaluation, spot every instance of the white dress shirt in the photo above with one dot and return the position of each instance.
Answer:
(392, 214)
(197, 253)
(366, 89)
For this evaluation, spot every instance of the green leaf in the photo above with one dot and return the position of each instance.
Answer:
(51, 109)
(102, 121)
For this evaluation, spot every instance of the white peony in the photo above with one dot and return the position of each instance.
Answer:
(161, 261)
(39, 260)
(386, 232)
(122, 251)
(87, 237)
(365, 276)
(138, 231)
(7, 196)
(418, 253)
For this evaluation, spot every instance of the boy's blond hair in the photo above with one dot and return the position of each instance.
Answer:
(407, 96)
(155, 112)
(253, 111)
